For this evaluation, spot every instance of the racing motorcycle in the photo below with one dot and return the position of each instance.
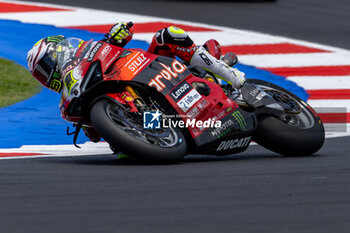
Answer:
(153, 107)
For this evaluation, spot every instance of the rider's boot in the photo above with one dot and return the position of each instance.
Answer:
(219, 68)
(256, 95)
(251, 94)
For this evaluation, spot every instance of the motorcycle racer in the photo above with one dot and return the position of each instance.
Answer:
(172, 41)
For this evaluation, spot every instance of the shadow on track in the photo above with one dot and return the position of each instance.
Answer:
(112, 160)
(215, 2)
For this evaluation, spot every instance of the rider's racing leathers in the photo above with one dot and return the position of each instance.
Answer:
(173, 41)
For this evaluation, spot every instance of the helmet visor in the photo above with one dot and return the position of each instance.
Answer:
(44, 72)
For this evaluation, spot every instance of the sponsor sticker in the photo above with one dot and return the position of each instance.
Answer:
(189, 100)
(94, 51)
(240, 119)
(206, 59)
(225, 128)
(233, 144)
(137, 63)
(106, 50)
(180, 91)
(203, 104)
(193, 113)
(168, 73)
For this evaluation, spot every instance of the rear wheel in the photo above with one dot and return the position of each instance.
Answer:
(124, 130)
(298, 132)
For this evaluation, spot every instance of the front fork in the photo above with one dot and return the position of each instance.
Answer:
(127, 98)
(133, 93)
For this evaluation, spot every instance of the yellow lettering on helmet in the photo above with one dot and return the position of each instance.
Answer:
(55, 85)
(59, 48)
(38, 42)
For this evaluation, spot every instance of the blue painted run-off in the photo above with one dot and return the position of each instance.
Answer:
(37, 121)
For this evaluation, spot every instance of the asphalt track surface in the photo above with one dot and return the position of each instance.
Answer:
(255, 191)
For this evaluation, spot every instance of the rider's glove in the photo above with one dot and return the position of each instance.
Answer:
(119, 32)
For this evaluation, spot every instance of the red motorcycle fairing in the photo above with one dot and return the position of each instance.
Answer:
(211, 103)
(182, 90)
(215, 105)
(106, 55)
(190, 96)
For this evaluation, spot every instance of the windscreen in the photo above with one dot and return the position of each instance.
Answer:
(71, 51)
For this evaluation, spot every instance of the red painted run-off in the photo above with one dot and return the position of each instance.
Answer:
(335, 94)
(150, 27)
(311, 71)
(3, 155)
(341, 118)
(279, 48)
(16, 7)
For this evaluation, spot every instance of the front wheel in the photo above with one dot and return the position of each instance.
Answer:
(124, 130)
(298, 132)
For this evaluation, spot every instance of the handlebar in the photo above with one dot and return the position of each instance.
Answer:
(128, 26)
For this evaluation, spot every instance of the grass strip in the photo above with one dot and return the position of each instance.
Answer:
(16, 83)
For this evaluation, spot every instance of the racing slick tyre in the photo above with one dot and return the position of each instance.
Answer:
(299, 132)
(118, 128)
